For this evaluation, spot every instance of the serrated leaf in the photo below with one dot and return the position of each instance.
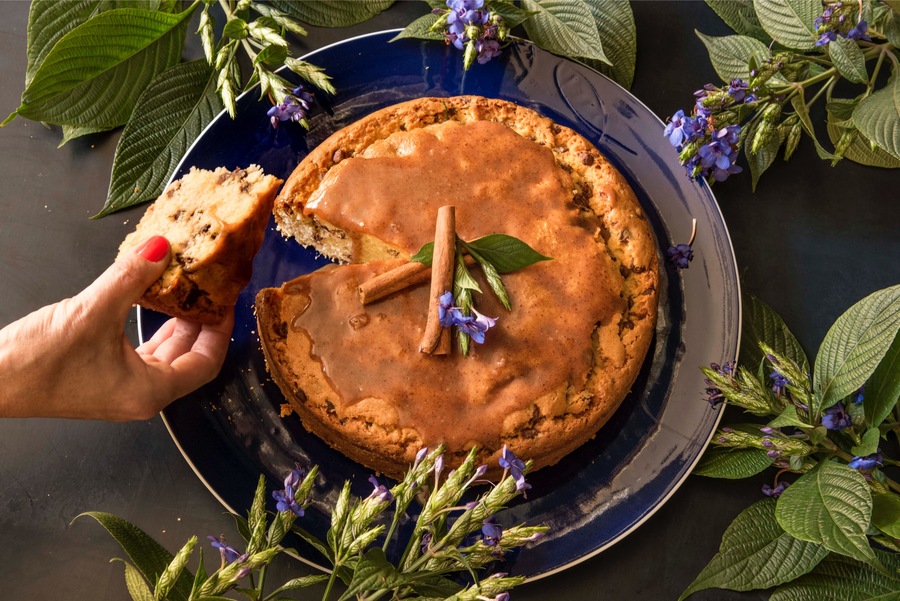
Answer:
(848, 59)
(799, 104)
(168, 117)
(860, 151)
(732, 464)
(740, 16)
(839, 578)
(297, 583)
(506, 253)
(868, 444)
(886, 513)
(512, 15)
(855, 345)
(730, 55)
(332, 13)
(790, 22)
(756, 554)
(148, 555)
(883, 388)
(48, 21)
(564, 27)
(420, 29)
(618, 38)
(762, 324)
(135, 583)
(425, 255)
(70, 132)
(832, 506)
(878, 117)
(92, 78)
(788, 417)
(374, 572)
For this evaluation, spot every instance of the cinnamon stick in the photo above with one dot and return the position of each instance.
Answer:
(442, 263)
(396, 279)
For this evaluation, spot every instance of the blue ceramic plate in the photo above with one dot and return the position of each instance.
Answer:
(230, 431)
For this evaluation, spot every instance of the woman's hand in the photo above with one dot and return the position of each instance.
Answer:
(72, 359)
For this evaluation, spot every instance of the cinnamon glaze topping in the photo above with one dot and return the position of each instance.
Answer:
(499, 183)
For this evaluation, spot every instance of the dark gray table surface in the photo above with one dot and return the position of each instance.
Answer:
(811, 241)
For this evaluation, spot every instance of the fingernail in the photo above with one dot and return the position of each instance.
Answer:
(154, 249)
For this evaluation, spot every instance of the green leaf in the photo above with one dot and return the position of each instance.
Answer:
(732, 464)
(148, 555)
(48, 21)
(175, 568)
(883, 388)
(135, 583)
(878, 117)
(301, 582)
(564, 27)
(762, 324)
(855, 345)
(373, 573)
(756, 553)
(788, 417)
(92, 78)
(420, 29)
(839, 578)
(740, 16)
(70, 132)
(730, 55)
(506, 253)
(763, 158)
(848, 59)
(886, 513)
(799, 104)
(236, 29)
(512, 15)
(462, 279)
(860, 151)
(332, 13)
(869, 443)
(492, 277)
(618, 38)
(425, 254)
(790, 22)
(832, 506)
(168, 117)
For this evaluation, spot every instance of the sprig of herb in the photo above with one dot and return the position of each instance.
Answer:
(787, 56)
(451, 537)
(833, 505)
(496, 254)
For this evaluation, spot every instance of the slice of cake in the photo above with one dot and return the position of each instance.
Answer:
(215, 222)
(553, 370)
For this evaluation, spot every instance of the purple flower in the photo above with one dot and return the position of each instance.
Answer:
(866, 463)
(779, 383)
(859, 32)
(836, 418)
(446, 310)
(229, 554)
(738, 88)
(491, 532)
(516, 467)
(858, 395)
(774, 492)
(487, 49)
(717, 158)
(285, 499)
(826, 38)
(680, 255)
(380, 492)
(714, 395)
(294, 108)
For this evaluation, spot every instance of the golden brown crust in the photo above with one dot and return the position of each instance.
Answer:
(553, 425)
(215, 222)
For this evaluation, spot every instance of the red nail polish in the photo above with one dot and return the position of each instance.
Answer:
(154, 249)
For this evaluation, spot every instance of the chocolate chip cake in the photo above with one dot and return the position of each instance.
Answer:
(550, 373)
(215, 222)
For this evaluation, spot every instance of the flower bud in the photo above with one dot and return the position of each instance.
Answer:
(793, 139)
(470, 55)
(843, 144)
(765, 133)
(771, 112)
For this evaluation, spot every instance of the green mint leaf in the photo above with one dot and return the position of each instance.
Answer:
(761, 324)
(331, 13)
(513, 16)
(175, 568)
(48, 21)
(788, 417)
(564, 27)
(756, 554)
(506, 253)
(420, 29)
(886, 513)
(732, 464)
(272, 55)
(848, 59)
(168, 117)
(730, 55)
(425, 254)
(492, 277)
(878, 117)
(790, 22)
(832, 506)
(841, 578)
(855, 345)
(236, 29)
(148, 555)
(135, 583)
(883, 388)
(618, 38)
(869, 443)
(741, 17)
(77, 85)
